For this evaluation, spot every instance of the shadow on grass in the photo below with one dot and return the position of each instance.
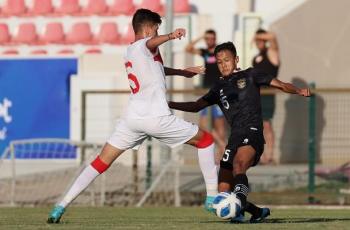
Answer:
(285, 221)
(302, 220)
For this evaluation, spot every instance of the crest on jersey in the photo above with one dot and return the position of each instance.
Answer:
(241, 83)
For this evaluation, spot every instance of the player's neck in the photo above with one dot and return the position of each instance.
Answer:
(141, 35)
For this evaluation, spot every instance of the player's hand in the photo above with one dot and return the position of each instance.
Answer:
(178, 33)
(305, 92)
(193, 71)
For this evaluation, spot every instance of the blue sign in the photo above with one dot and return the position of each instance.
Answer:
(34, 99)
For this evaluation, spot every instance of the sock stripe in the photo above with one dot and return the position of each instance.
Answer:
(99, 165)
(241, 188)
(206, 140)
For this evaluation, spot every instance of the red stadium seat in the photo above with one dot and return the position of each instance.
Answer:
(10, 52)
(14, 8)
(66, 52)
(69, 7)
(41, 7)
(181, 6)
(53, 33)
(96, 7)
(154, 5)
(108, 33)
(39, 52)
(26, 34)
(93, 51)
(79, 33)
(128, 37)
(5, 36)
(125, 7)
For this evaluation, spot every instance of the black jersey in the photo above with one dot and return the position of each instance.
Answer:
(238, 96)
(265, 65)
(212, 72)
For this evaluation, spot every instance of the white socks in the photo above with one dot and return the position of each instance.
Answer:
(80, 184)
(206, 158)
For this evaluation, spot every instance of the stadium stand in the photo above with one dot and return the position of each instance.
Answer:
(10, 52)
(98, 7)
(122, 7)
(108, 33)
(5, 36)
(70, 7)
(80, 33)
(182, 6)
(154, 5)
(27, 34)
(41, 7)
(14, 8)
(73, 23)
(53, 33)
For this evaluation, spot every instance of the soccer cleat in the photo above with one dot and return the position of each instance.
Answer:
(56, 214)
(239, 219)
(208, 205)
(264, 214)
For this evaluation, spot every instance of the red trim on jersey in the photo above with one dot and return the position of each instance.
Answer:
(133, 78)
(159, 58)
(99, 165)
(206, 140)
(128, 64)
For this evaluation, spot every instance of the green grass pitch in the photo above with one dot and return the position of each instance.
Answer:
(168, 218)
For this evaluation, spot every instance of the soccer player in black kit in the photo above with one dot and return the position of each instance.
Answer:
(238, 95)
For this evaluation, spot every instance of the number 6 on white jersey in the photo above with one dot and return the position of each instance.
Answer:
(133, 82)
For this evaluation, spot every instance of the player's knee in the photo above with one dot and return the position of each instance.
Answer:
(99, 165)
(240, 167)
(205, 140)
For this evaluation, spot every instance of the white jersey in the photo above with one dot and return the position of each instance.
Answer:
(147, 82)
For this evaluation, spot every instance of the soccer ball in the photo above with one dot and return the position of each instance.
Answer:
(226, 205)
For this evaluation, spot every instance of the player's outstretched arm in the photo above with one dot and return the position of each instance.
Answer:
(193, 107)
(188, 72)
(290, 88)
(153, 43)
(190, 48)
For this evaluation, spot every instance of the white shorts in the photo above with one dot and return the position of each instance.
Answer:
(170, 130)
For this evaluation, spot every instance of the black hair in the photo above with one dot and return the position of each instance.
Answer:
(261, 31)
(226, 46)
(210, 31)
(144, 16)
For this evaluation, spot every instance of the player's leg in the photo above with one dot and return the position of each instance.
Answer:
(98, 166)
(123, 138)
(204, 142)
(174, 131)
(243, 160)
(219, 131)
(88, 175)
(203, 118)
(269, 136)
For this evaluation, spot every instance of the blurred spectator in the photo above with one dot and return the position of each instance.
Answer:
(267, 60)
(212, 75)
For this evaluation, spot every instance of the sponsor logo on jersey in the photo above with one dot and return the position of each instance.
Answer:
(241, 83)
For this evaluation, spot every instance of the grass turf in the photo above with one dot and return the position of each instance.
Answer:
(167, 218)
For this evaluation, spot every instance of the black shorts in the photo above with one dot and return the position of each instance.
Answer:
(250, 136)
(268, 104)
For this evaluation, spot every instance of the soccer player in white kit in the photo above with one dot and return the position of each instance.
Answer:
(147, 113)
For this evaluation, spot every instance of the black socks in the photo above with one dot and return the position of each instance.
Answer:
(241, 188)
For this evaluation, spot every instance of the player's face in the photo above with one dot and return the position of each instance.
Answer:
(260, 44)
(210, 40)
(226, 62)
